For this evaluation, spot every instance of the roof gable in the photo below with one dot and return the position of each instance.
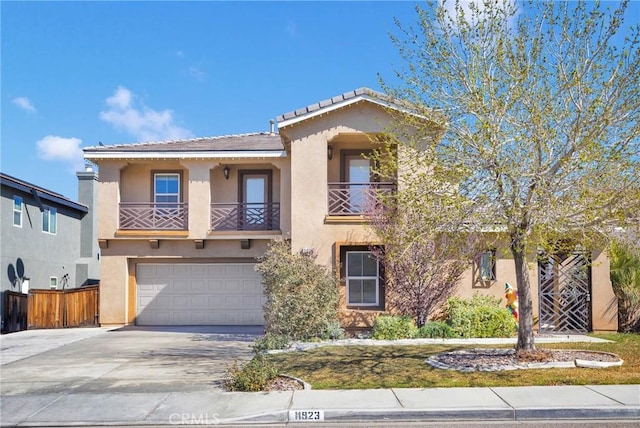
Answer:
(338, 102)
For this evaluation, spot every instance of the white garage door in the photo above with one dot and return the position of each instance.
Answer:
(199, 294)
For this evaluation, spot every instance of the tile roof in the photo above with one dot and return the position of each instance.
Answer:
(16, 183)
(258, 141)
(332, 101)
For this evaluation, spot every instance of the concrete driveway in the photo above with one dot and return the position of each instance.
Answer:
(125, 360)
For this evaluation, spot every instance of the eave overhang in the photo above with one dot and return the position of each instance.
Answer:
(126, 155)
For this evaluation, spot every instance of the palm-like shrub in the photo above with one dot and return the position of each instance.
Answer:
(625, 278)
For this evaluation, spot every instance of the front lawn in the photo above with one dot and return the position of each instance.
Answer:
(361, 367)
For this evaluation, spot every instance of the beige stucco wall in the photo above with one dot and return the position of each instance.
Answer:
(203, 183)
(311, 171)
(117, 285)
(300, 185)
(350, 128)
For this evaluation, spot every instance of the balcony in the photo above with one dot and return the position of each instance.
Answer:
(245, 216)
(355, 198)
(154, 216)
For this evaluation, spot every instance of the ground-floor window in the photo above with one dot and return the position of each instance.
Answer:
(362, 278)
(487, 265)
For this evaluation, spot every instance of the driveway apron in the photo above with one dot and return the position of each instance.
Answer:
(133, 360)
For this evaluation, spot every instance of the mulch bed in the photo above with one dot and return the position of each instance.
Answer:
(503, 359)
(283, 383)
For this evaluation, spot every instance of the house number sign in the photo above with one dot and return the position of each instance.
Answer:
(306, 415)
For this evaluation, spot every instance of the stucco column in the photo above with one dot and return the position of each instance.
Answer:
(199, 194)
(285, 197)
(604, 305)
(308, 191)
(109, 198)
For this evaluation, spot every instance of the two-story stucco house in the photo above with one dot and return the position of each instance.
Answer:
(181, 222)
(48, 240)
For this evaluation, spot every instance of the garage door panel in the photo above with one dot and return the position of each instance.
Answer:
(251, 301)
(231, 286)
(198, 286)
(216, 270)
(163, 271)
(251, 287)
(233, 302)
(162, 302)
(199, 294)
(198, 303)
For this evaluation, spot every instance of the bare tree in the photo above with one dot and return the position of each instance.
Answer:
(539, 104)
(422, 266)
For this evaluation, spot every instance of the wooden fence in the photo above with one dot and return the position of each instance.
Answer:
(77, 307)
(14, 312)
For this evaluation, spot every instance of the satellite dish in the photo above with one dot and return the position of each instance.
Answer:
(11, 273)
(20, 268)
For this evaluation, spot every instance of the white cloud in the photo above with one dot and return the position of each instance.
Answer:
(121, 98)
(140, 121)
(24, 103)
(55, 148)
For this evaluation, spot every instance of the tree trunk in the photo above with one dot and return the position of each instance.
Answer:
(525, 305)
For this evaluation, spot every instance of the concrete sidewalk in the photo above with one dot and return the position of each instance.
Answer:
(610, 402)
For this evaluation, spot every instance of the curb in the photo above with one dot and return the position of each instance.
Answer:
(391, 415)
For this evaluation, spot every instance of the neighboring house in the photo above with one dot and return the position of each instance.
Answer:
(48, 240)
(181, 223)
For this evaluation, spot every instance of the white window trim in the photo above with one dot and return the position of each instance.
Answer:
(155, 190)
(47, 211)
(53, 282)
(349, 277)
(13, 220)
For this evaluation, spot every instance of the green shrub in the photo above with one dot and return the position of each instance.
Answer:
(302, 297)
(436, 330)
(391, 327)
(271, 341)
(625, 278)
(480, 316)
(333, 331)
(250, 377)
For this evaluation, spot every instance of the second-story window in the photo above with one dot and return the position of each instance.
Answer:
(17, 211)
(166, 189)
(49, 220)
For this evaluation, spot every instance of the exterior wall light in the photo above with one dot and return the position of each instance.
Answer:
(330, 152)
(226, 172)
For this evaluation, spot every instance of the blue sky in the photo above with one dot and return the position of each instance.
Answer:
(76, 73)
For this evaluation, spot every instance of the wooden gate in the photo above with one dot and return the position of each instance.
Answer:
(564, 284)
(14, 312)
(76, 307)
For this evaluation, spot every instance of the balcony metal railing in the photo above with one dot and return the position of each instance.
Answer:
(245, 216)
(355, 198)
(154, 216)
